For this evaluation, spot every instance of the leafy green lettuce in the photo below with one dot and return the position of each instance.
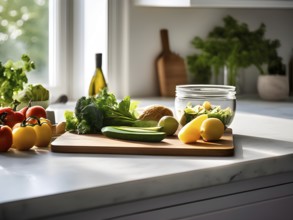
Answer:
(93, 113)
(13, 78)
(32, 93)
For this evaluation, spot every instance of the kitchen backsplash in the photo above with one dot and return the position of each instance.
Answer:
(144, 45)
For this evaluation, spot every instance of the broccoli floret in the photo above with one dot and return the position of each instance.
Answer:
(92, 119)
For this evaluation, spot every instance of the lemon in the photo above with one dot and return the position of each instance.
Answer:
(169, 124)
(212, 129)
(191, 131)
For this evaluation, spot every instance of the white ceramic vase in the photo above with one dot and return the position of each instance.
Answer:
(273, 87)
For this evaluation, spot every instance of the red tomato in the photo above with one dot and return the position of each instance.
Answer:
(5, 138)
(10, 118)
(23, 110)
(37, 111)
(6, 109)
(18, 117)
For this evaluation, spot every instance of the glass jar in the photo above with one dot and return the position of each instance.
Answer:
(221, 97)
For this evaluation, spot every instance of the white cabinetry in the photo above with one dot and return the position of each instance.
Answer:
(217, 4)
(269, 197)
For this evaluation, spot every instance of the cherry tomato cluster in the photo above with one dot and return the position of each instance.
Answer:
(24, 129)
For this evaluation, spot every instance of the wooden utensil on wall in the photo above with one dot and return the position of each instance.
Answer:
(170, 68)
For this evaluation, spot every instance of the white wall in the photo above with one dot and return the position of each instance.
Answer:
(144, 45)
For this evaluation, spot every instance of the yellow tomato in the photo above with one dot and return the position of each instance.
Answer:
(24, 138)
(46, 120)
(44, 134)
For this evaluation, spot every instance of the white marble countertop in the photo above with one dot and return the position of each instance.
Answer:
(262, 136)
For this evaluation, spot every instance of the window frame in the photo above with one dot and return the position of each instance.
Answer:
(118, 47)
(66, 48)
(59, 41)
(69, 69)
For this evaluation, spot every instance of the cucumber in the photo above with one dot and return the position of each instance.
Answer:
(138, 129)
(131, 135)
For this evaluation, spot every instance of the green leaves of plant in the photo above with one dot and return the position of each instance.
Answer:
(93, 113)
(234, 45)
(13, 77)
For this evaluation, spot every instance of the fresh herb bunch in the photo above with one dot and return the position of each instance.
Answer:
(93, 113)
(201, 72)
(13, 77)
(234, 46)
(116, 113)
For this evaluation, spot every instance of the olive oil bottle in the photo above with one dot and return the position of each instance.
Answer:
(98, 81)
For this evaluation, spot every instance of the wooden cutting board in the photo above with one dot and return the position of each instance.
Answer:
(74, 143)
(170, 68)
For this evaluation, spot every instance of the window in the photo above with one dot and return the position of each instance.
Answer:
(90, 33)
(79, 30)
(24, 29)
(60, 36)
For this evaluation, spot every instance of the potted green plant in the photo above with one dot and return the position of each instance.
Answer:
(234, 46)
(13, 78)
(200, 72)
(274, 85)
(14, 87)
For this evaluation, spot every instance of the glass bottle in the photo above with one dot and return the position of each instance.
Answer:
(98, 81)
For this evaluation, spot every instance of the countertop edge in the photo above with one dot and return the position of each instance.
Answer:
(130, 191)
